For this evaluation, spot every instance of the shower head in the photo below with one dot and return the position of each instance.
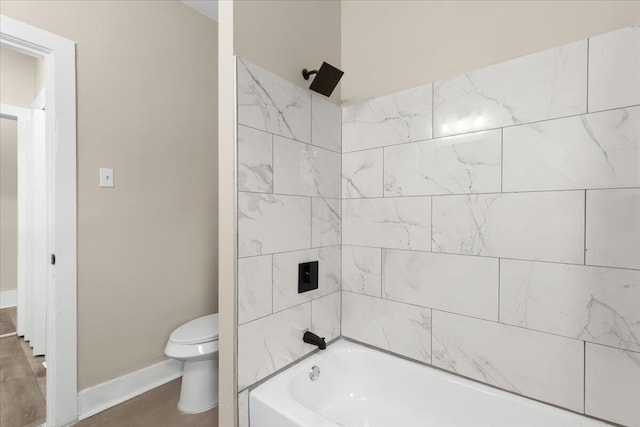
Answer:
(326, 80)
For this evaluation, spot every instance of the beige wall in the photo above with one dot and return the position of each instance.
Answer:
(17, 78)
(286, 36)
(146, 106)
(390, 45)
(8, 205)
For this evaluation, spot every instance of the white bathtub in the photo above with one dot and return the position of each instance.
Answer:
(358, 386)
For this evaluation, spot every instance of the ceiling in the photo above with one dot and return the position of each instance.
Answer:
(206, 7)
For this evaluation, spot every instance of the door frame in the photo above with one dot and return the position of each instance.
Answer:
(60, 81)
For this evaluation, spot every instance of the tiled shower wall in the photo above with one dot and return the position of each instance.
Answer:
(289, 197)
(491, 225)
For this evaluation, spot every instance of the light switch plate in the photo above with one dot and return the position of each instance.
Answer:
(106, 177)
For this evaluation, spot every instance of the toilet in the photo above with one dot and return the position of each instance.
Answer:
(196, 343)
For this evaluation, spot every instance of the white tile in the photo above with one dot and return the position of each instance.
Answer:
(534, 226)
(255, 165)
(401, 117)
(254, 288)
(325, 221)
(534, 364)
(600, 305)
(362, 174)
(456, 283)
(400, 328)
(285, 275)
(600, 150)
(401, 223)
(544, 85)
(326, 124)
(454, 165)
(362, 270)
(613, 228)
(270, 343)
(614, 69)
(325, 316)
(270, 103)
(305, 170)
(243, 408)
(269, 223)
(612, 385)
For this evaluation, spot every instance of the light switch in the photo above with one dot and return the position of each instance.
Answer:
(106, 177)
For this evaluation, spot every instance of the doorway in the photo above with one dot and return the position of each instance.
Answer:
(53, 184)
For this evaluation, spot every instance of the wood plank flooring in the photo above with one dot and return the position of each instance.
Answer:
(22, 394)
(22, 380)
(157, 407)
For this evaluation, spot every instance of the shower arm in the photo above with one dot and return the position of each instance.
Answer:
(306, 73)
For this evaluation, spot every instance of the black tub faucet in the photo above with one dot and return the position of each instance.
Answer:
(313, 339)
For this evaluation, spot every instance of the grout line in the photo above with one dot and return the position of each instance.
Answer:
(473, 194)
(585, 228)
(289, 139)
(311, 221)
(273, 290)
(487, 320)
(433, 109)
(624, 107)
(289, 195)
(496, 257)
(289, 252)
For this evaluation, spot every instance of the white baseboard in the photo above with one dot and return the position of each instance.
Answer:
(103, 396)
(8, 298)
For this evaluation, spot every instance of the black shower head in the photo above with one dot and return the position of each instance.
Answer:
(326, 80)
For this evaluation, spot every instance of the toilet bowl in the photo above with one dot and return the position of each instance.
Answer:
(196, 343)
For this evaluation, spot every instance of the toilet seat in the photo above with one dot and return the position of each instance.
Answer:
(201, 330)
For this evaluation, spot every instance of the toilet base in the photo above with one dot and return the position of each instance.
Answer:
(199, 390)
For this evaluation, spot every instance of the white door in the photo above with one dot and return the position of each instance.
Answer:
(33, 218)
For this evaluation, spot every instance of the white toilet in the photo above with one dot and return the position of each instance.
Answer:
(196, 343)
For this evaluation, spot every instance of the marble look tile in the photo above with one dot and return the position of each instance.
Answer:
(456, 283)
(255, 160)
(243, 409)
(534, 226)
(325, 316)
(613, 228)
(285, 275)
(305, 170)
(326, 124)
(270, 103)
(362, 174)
(612, 384)
(600, 305)
(401, 117)
(270, 343)
(544, 85)
(400, 328)
(326, 221)
(534, 364)
(401, 223)
(254, 288)
(599, 150)
(614, 69)
(271, 223)
(362, 270)
(454, 165)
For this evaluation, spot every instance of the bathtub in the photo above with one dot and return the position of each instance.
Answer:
(358, 386)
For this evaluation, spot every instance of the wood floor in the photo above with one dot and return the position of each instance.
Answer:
(22, 379)
(157, 407)
(22, 393)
